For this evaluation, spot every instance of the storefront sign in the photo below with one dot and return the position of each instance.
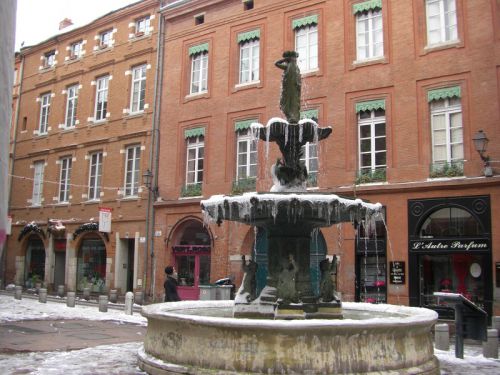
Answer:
(397, 272)
(450, 245)
(105, 219)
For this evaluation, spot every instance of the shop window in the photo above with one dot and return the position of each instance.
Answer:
(91, 265)
(34, 262)
(450, 222)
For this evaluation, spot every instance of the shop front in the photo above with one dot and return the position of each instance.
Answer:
(91, 264)
(450, 250)
(34, 262)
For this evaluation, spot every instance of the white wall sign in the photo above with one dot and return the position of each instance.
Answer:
(105, 219)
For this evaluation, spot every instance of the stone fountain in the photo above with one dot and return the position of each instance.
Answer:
(288, 328)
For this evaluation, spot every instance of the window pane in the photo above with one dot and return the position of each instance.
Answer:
(366, 160)
(380, 144)
(440, 137)
(438, 122)
(379, 129)
(365, 131)
(380, 159)
(440, 153)
(457, 135)
(457, 152)
(365, 145)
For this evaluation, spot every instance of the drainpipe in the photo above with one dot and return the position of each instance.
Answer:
(3, 258)
(154, 154)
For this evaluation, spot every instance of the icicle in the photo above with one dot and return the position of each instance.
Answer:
(301, 131)
(286, 133)
(274, 211)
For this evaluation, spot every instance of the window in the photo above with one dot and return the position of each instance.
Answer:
(44, 114)
(95, 173)
(71, 104)
(101, 101)
(248, 5)
(36, 199)
(75, 50)
(64, 179)
(199, 20)
(306, 42)
(369, 34)
(249, 58)
(310, 159)
(199, 72)
(132, 164)
(246, 162)
(138, 88)
(194, 162)
(441, 21)
(447, 132)
(49, 59)
(105, 39)
(372, 140)
(142, 26)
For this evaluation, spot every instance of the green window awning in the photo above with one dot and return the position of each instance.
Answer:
(248, 36)
(311, 114)
(305, 21)
(370, 105)
(200, 48)
(243, 124)
(366, 6)
(447, 92)
(195, 132)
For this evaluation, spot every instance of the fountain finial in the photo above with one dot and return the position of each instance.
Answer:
(291, 86)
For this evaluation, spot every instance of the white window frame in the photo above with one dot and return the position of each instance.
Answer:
(37, 196)
(143, 25)
(76, 50)
(71, 106)
(132, 168)
(310, 153)
(448, 110)
(43, 124)
(252, 73)
(199, 76)
(307, 61)
(95, 176)
(101, 96)
(373, 121)
(198, 145)
(105, 39)
(138, 91)
(369, 19)
(49, 59)
(245, 136)
(66, 164)
(448, 31)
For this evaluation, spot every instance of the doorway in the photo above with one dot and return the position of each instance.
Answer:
(59, 262)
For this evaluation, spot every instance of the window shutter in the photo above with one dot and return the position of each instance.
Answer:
(195, 132)
(366, 6)
(370, 105)
(445, 93)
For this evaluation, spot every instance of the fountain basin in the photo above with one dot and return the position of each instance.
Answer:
(202, 337)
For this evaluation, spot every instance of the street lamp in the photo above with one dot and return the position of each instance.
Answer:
(480, 144)
(147, 180)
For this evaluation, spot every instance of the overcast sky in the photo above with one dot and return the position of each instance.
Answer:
(38, 20)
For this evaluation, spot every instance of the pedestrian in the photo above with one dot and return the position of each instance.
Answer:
(170, 285)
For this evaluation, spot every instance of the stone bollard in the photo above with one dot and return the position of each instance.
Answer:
(496, 323)
(60, 291)
(442, 337)
(113, 295)
(18, 292)
(129, 302)
(42, 295)
(86, 294)
(490, 347)
(70, 301)
(103, 303)
(139, 297)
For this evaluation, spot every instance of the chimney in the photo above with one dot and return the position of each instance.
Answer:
(65, 23)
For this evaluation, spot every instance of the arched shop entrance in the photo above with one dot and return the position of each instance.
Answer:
(191, 251)
(318, 253)
(34, 263)
(450, 251)
(91, 264)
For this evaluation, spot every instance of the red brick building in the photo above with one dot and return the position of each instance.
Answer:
(82, 139)
(406, 86)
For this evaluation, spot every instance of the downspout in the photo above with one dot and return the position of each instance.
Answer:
(154, 155)
(3, 263)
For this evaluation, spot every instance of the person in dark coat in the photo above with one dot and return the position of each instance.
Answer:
(170, 285)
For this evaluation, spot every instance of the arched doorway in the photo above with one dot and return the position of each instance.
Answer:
(318, 253)
(91, 264)
(34, 265)
(191, 251)
(450, 251)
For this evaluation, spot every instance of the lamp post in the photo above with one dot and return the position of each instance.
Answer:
(147, 180)
(480, 144)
